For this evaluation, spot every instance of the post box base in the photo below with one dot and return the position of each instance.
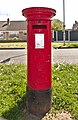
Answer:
(39, 102)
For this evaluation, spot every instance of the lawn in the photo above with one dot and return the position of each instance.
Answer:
(13, 90)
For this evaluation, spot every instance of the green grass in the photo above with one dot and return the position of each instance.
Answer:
(65, 88)
(13, 90)
(24, 45)
(13, 45)
(67, 45)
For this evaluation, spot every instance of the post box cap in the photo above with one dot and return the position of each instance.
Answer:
(33, 13)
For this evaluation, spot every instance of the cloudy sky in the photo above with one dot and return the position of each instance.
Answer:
(12, 9)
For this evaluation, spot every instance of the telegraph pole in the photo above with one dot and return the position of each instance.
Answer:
(64, 21)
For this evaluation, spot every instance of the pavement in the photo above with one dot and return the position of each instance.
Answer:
(62, 56)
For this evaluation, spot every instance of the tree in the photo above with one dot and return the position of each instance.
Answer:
(57, 24)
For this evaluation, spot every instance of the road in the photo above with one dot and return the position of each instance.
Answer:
(65, 56)
(58, 56)
(15, 55)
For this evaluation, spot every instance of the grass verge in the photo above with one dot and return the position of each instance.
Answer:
(14, 45)
(13, 90)
(24, 45)
(67, 45)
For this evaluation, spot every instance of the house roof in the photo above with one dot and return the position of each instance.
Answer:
(13, 26)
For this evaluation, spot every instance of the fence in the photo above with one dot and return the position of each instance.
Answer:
(69, 35)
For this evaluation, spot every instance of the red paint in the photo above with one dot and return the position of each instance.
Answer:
(39, 59)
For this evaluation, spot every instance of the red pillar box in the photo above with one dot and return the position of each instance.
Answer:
(39, 38)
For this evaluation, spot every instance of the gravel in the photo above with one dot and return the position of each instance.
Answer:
(64, 115)
(60, 116)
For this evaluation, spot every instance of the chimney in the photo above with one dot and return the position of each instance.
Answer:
(8, 21)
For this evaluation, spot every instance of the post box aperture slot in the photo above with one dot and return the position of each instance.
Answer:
(39, 26)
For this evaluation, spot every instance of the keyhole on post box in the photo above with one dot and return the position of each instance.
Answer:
(39, 21)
